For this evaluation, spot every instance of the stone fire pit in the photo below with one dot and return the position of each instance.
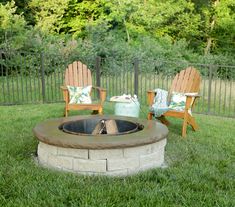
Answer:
(102, 145)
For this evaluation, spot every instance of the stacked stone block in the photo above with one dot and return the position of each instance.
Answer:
(122, 161)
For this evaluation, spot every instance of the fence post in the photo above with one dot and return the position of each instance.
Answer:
(209, 89)
(43, 77)
(136, 76)
(1, 74)
(97, 68)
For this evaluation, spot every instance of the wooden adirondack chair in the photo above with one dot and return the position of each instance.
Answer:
(77, 74)
(187, 81)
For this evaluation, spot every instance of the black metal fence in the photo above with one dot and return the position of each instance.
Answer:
(36, 78)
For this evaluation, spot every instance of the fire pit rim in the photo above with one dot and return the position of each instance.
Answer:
(49, 133)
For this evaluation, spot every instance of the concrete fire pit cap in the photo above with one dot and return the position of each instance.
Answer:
(49, 133)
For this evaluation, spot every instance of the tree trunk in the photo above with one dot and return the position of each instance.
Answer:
(212, 25)
(124, 22)
(127, 32)
(209, 39)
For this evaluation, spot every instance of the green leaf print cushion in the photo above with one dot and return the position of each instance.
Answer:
(79, 95)
(178, 101)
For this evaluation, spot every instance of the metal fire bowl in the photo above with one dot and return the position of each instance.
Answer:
(49, 133)
(86, 127)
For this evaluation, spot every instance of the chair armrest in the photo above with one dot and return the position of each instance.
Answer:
(150, 97)
(192, 95)
(190, 100)
(65, 93)
(63, 88)
(102, 93)
(99, 88)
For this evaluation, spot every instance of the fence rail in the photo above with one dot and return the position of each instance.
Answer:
(36, 78)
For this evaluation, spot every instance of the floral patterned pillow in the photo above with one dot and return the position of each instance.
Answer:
(79, 95)
(178, 101)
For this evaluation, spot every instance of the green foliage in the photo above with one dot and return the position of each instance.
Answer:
(135, 17)
(49, 14)
(81, 14)
(12, 26)
(121, 29)
(224, 32)
(217, 26)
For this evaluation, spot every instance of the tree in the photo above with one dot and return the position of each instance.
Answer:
(224, 30)
(12, 26)
(49, 14)
(206, 25)
(175, 19)
(217, 26)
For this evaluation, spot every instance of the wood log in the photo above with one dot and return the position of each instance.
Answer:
(111, 126)
(98, 128)
(105, 127)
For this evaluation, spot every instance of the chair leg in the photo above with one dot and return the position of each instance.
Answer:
(193, 123)
(185, 123)
(150, 116)
(100, 111)
(164, 120)
(65, 112)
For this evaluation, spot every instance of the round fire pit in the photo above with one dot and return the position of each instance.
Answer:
(104, 145)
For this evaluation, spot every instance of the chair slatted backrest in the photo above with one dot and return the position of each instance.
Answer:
(77, 74)
(186, 81)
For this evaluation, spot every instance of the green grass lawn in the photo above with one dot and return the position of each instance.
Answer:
(200, 172)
